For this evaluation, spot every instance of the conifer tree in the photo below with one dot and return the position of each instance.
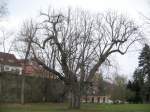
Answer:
(141, 83)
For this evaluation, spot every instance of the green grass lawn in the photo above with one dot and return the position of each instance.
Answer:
(49, 107)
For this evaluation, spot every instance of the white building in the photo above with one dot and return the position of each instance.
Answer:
(9, 63)
(96, 99)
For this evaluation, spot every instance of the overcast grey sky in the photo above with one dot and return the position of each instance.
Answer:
(20, 10)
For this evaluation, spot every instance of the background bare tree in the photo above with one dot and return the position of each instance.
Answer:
(119, 90)
(74, 45)
(3, 8)
(22, 47)
(5, 39)
(3, 34)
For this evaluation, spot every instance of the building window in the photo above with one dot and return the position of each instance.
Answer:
(6, 68)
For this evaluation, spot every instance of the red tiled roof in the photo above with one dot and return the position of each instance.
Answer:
(9, 59)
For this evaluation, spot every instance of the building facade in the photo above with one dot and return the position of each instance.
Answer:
(96, 99)
(9, 63)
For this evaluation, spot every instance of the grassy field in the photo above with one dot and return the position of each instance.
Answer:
(48, 107)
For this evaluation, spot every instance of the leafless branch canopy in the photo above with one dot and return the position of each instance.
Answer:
(74, 45)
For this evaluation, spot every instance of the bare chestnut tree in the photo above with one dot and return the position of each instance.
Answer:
(73, 46)
(22, 47)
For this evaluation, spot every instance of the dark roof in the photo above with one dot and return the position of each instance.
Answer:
(8, 59)
(22, 61)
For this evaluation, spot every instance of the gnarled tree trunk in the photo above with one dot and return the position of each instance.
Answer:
(22, 89)
(75, 94)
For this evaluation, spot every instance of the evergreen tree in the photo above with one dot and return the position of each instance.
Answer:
(141, 83)
(144, 61)
(138, 85)
(144, 64)
(130, 90)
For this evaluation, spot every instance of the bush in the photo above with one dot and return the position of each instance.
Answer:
(37, 89)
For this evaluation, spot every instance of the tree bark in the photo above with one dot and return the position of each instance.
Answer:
(75, 95)
(22, 89)
(0, 87)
